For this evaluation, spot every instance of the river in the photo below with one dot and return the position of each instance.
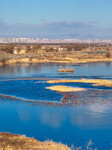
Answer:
(75, 125)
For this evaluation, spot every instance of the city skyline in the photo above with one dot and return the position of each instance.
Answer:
(45, 40)
(80, 19)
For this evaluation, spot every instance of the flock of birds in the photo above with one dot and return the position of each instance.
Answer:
(72, 99)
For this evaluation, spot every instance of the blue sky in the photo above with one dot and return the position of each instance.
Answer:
(56, 18)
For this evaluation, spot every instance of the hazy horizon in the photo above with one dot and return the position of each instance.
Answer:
(81, 19)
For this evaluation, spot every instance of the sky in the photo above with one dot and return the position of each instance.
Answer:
(82, 19)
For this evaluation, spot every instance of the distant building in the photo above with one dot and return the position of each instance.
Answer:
(15, 52)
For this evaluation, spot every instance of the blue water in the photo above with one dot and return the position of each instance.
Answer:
(29, 89)
(70, 125)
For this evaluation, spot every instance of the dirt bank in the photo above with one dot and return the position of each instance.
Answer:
(17, 142)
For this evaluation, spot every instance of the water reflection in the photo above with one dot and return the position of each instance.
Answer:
(70, 125)
(92, 116)
(95, 70)
(24, 115)
(52, 118)
(98, 108)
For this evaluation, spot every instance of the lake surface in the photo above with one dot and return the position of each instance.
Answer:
(72, 125)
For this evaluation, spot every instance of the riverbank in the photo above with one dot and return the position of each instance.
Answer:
(10, 141)
(67, 58)
(65, 61)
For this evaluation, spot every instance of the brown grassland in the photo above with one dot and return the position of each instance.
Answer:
(18, 142)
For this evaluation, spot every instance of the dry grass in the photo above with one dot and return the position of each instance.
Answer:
(80, 57)
(64, 89)
(18, 142)
(66, 70)
(1, 64)
(57, 60)
(95, 82)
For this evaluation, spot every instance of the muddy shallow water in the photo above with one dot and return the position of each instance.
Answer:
(89, 117)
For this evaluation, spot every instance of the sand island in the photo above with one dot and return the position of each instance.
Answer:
(61, 88)
(95, 82)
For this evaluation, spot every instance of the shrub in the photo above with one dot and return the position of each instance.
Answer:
(108, 55)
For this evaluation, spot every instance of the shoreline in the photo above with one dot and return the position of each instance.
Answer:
(35, 60)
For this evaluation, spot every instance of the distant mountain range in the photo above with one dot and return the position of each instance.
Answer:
(61, 36)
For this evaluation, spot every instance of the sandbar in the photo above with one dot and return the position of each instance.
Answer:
(95, 82)
(61, 88)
